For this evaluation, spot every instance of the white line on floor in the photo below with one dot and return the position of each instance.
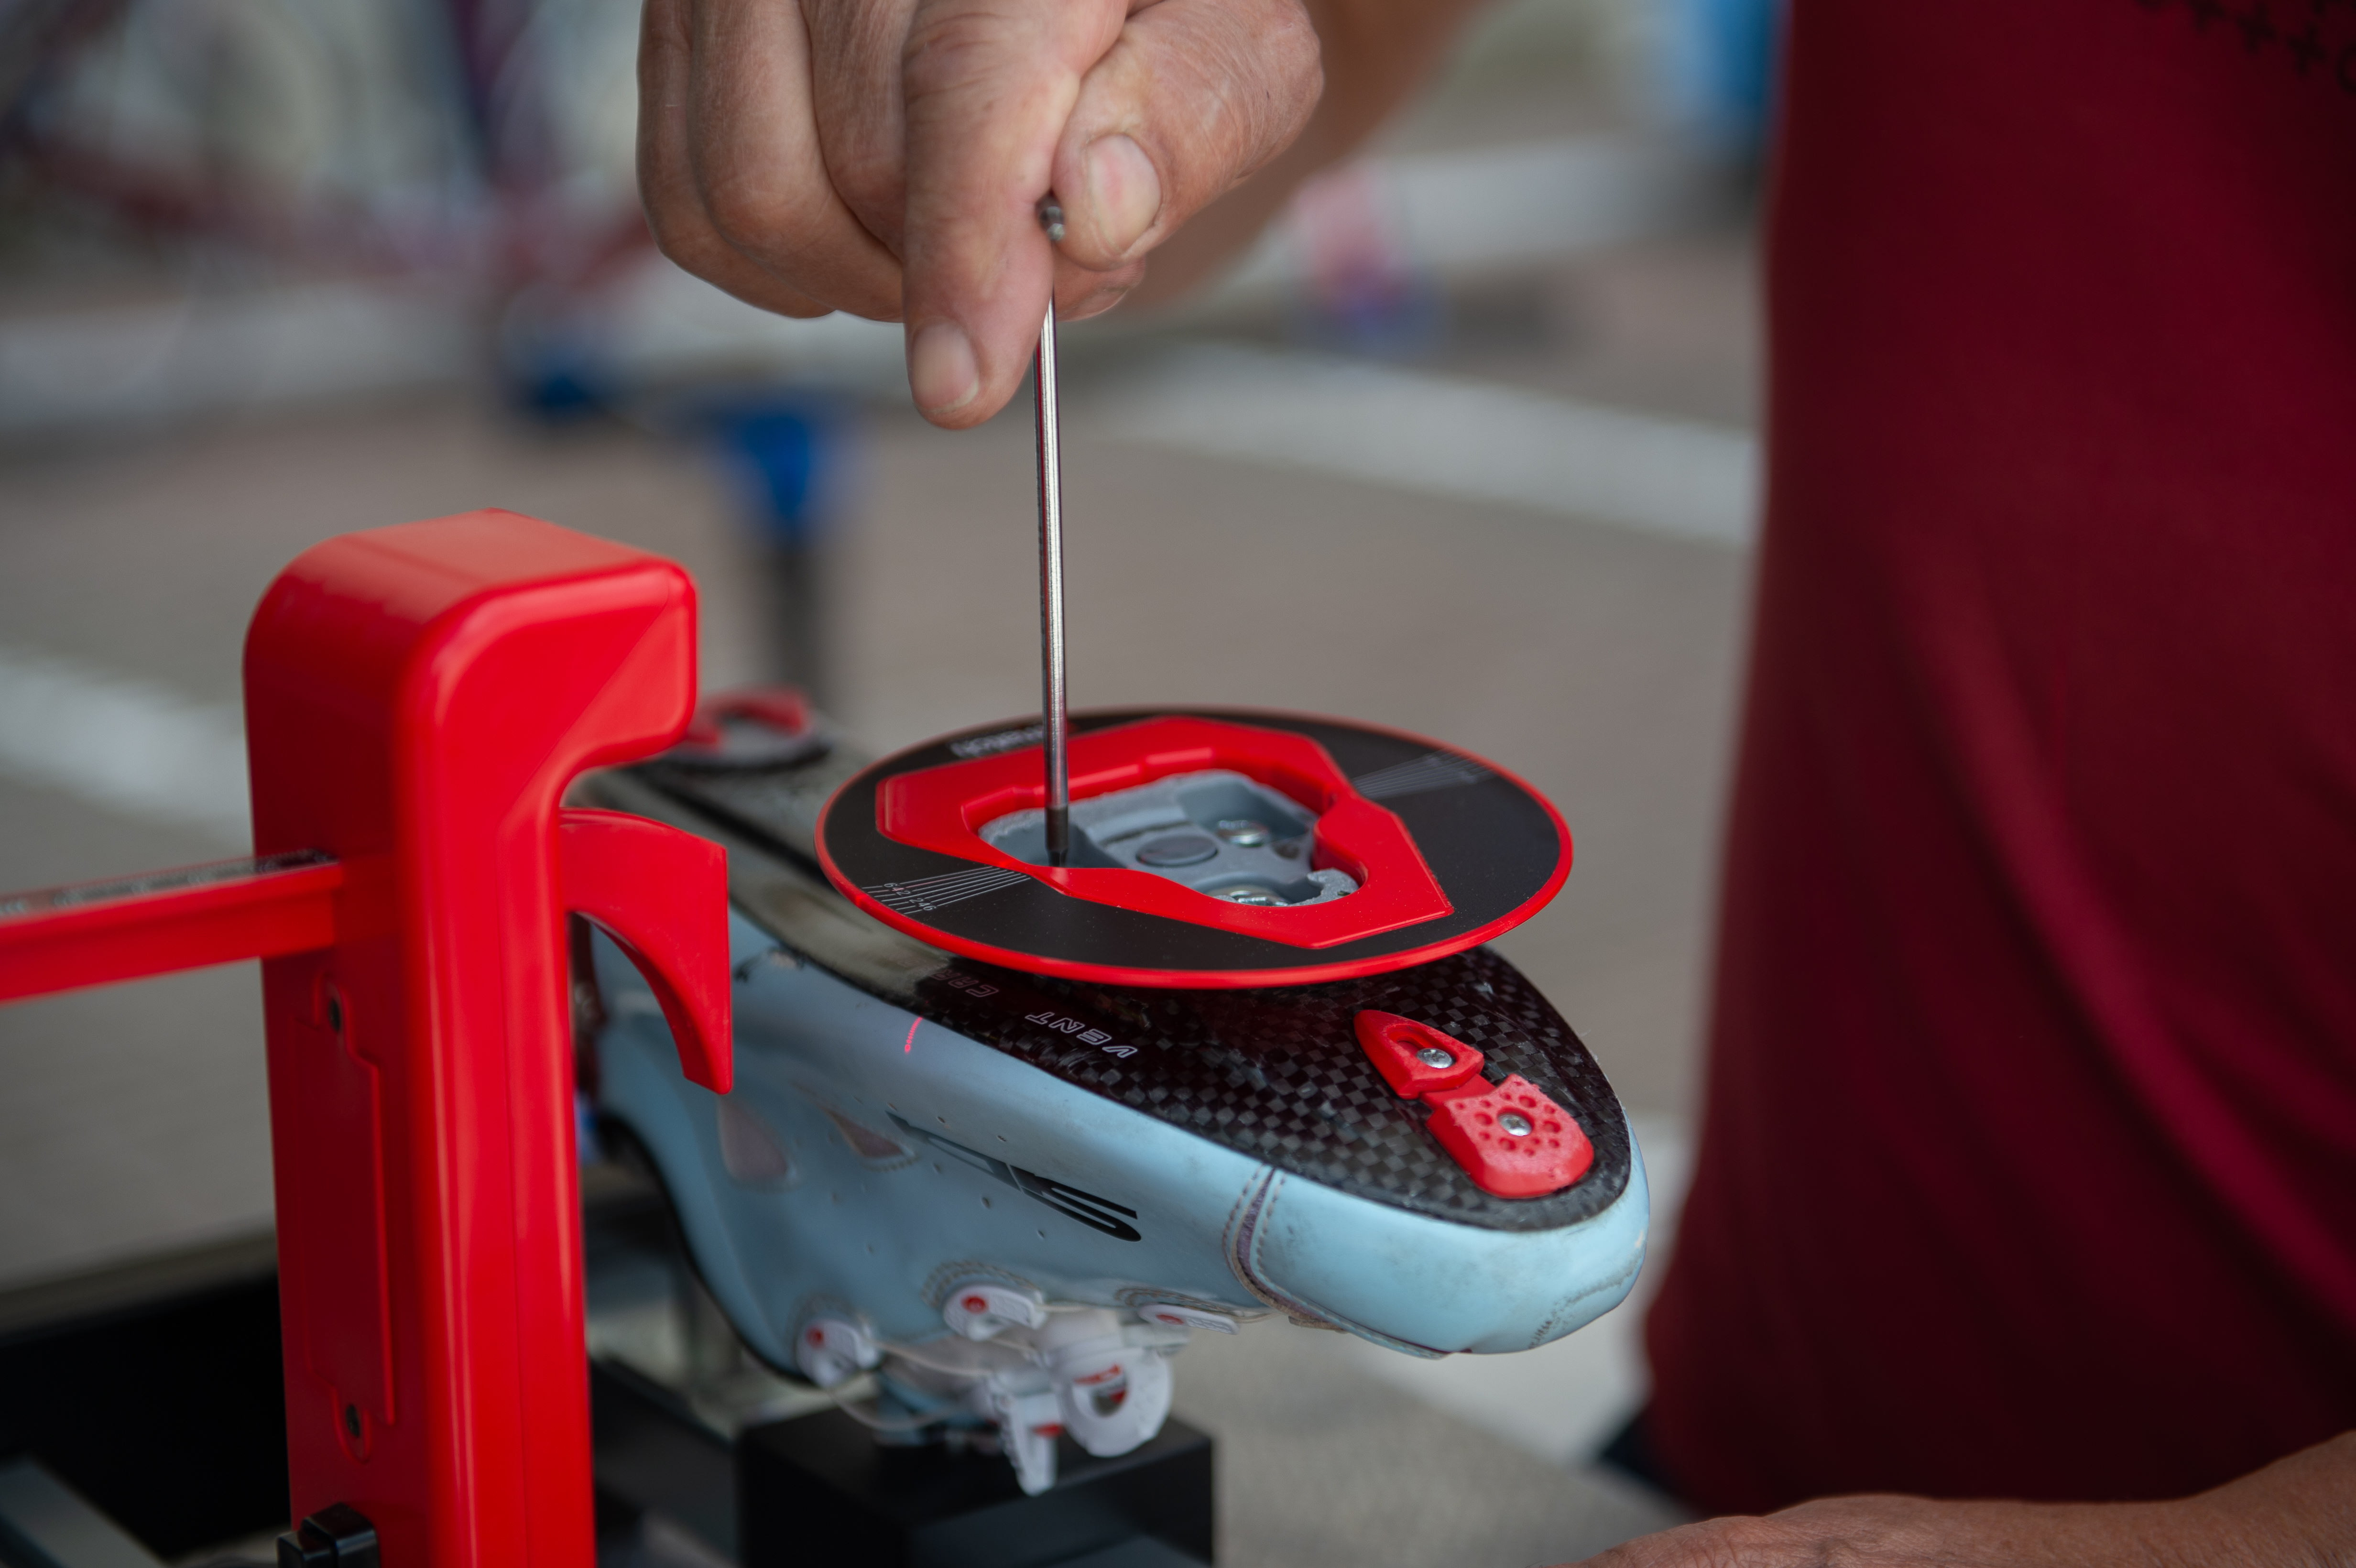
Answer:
(1442, 436)
(143, 749)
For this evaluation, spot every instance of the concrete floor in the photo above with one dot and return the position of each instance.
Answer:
(1323, 1467)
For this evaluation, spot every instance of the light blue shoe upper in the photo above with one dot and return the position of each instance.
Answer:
(879, 1158)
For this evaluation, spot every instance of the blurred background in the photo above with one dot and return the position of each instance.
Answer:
(1466, 446)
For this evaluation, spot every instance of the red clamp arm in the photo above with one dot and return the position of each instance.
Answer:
(662, 896)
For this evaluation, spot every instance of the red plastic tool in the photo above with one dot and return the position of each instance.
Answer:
(942, 808)
(417, 699)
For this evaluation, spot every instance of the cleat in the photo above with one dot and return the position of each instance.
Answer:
(831, 1351)
(982, 1309)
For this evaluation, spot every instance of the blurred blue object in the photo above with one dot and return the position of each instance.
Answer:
(557, 383)
(1717, 67)
(790, 457)
(786, 461)
(1362, 290)
(549, 353)
(1401, 317)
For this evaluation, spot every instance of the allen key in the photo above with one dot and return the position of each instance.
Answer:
(1055, 718)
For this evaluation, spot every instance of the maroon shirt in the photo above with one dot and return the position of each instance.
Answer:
(2029, 1164)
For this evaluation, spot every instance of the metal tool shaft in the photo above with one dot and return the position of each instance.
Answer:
(1055, 721)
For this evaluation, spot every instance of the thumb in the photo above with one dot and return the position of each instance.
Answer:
(1194, 96)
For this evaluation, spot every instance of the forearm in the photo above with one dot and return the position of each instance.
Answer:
(1376, 54)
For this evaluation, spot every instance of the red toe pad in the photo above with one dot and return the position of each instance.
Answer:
(1509, 1137)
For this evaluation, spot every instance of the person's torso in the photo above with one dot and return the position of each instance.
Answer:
(2030, 1161)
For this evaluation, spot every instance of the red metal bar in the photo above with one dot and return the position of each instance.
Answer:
(58, 939)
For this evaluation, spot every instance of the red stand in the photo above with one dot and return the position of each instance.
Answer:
(417, 699)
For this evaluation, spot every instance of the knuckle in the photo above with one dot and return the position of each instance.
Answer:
(680, 252)
(871, 186)
(1291, 68)
(1245, 86)
(741, 215)
(685, 245)
(1289, 40)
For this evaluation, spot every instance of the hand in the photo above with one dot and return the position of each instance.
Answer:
(1909, 1533)
(2301, 1511)
(888, 157)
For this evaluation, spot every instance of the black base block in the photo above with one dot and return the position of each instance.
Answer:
(821, 1492)
(153, 1388)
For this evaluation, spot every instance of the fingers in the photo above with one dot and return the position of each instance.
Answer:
(754, 148)
(859, 46)
(989, 86)
(729, 163)
(1194, 96)
(887, 156)
(1136, 120)
(667, 186)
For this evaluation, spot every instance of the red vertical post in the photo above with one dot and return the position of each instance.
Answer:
(417, 699)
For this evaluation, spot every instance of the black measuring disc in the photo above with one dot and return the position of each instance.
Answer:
(1210, 849)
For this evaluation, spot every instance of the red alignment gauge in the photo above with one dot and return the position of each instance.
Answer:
(1210, 849)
